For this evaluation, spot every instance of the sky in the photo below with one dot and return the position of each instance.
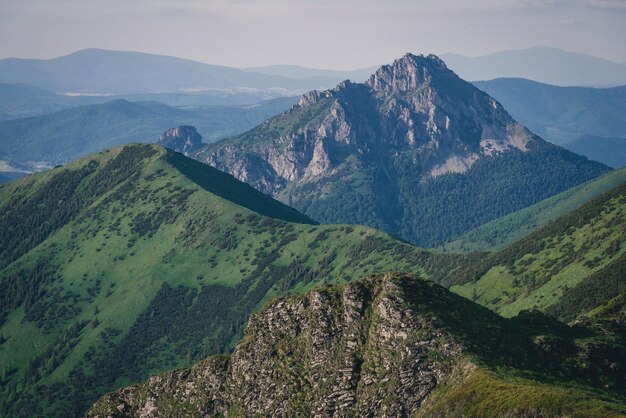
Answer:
(337, 34)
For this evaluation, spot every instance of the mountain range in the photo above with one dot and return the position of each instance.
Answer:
(68, 134)
(137, 260)
(542, 64)
(98, 71)
(154, 261)
(415, 151)
(588, 121)
(21, 100)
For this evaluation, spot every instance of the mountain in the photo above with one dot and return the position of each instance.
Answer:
(542, 64)
(503, 232)
(588, 121)
(137, 260)
(299, 72)
(390, 346)
(415, 151)
(610, 151)
(573, 266)
(561, 114)
(62, 136)
(115, 72)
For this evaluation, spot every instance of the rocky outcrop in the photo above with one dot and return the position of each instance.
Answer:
(183, 139)
(365, 349)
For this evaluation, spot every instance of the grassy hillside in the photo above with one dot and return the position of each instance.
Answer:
(137, 260)
(502, 232)
(572, 266)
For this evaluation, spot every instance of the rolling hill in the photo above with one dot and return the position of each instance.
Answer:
(392, 345)
(542, 64)
(137, 260)
(576, 265)
(63, 136)
(415, 151)
(502, 232)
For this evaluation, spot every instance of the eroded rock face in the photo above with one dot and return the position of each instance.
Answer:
(415, 104)
(183, 139)
(365, 349)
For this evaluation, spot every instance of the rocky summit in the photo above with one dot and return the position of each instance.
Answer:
(382, 152)
(388, 345)
(183, 139)
(332, 352)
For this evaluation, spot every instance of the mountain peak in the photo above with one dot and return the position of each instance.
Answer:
(408, 73)
(389, 143)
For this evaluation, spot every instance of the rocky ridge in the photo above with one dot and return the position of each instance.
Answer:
(357, 350)
(380, 346)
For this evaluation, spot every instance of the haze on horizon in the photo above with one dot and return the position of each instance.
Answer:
(338, 34)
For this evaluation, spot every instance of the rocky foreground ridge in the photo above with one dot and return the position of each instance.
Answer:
(382, 346)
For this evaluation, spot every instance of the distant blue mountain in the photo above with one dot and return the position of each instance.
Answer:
(116, 72)
(588, 121)
(543, 64)
(62, 136)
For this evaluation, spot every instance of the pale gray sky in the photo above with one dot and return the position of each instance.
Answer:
(341, 34)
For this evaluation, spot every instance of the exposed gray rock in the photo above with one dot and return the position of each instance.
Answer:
(360, 350)
(183, 139)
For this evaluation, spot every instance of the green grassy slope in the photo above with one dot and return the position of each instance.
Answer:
(570, 267)
(502, 232)
(136, 260)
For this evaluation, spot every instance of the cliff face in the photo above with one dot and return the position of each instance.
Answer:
(373, 153)
(389, 345)
(364, 349)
